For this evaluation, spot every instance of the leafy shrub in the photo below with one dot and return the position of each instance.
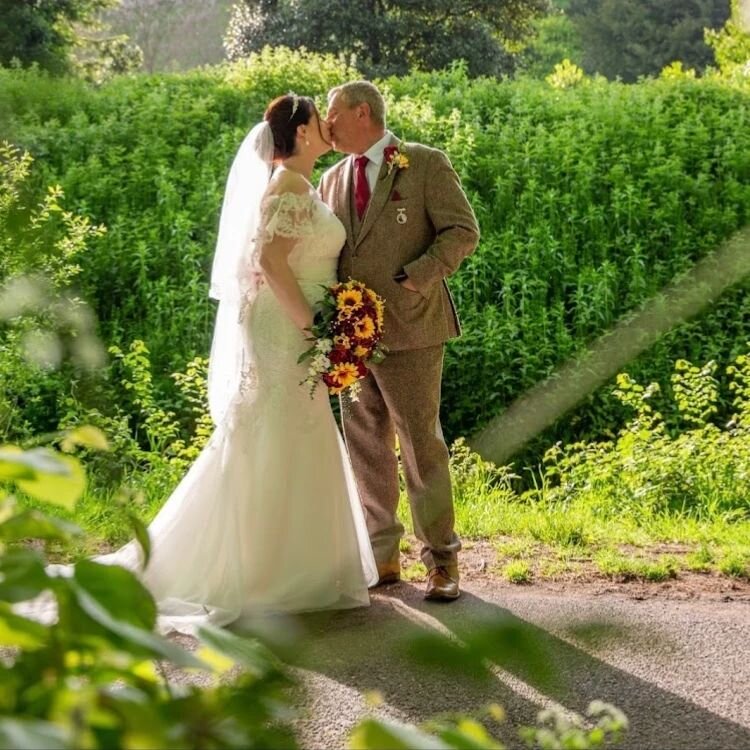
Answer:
(701, 471)
(95, 678)
(590, 199)
(41, 248)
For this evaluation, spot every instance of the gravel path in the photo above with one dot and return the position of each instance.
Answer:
(680, 669)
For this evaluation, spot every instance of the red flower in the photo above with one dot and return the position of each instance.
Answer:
(338, 355)
(345, 327)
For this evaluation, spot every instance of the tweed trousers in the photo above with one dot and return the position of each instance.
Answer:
(401, 398)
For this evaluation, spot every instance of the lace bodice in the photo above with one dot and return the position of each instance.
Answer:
(320, 235)
(272, 342)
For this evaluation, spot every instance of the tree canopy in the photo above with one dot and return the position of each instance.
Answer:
(630, 38)
(388, 37)
(43, 31)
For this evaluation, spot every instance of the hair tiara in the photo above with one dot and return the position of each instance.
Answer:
(295, 103)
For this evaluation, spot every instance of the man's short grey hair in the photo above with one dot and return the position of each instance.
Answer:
(362, 92)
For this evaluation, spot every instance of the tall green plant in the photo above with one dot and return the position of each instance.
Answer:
(590, 199)
(731, 44)
(40, 253)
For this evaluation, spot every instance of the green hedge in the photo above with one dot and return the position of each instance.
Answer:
(590, 199)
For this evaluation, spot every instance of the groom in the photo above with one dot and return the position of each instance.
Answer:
(408, 226)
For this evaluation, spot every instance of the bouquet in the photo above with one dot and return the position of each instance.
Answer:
(346, 331)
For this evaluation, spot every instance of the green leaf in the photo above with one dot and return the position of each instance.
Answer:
(86, 436)
(432, 649)
(249, 653)
(118, 591)
(305, 355)
(156, 645)
(469, 735)
(34, 524)
(15, 463)
(141, 534)
(12, 466)
(58, 479)
(22, 575)
(374, 734)
(31, 734)
(20, 632)
(514, 645)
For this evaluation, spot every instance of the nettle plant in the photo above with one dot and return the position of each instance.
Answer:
(41, 246)
(702, 471)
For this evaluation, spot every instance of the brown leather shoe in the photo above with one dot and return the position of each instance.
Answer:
(389, 572)
(442, 584)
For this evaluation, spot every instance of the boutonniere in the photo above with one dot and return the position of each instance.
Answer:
(394, 157)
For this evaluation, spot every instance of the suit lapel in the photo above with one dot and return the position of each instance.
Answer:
(343, 204)
(379, 197)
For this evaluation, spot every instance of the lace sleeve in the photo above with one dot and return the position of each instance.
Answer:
(287, 215)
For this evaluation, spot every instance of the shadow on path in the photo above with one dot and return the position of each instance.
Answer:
(365, 650)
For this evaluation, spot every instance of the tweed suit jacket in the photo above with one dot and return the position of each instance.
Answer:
(436, 231)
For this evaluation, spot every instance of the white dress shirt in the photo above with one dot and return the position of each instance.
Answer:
(375, 155)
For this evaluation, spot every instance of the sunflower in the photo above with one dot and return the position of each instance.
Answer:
(361, 351)
(349, 300)
(344, 374)
(364, 328)
(342, 340)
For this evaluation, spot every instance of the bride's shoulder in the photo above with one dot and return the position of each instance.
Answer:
(288, 181)
(288, 189)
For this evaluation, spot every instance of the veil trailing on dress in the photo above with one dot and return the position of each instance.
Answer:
(236, 275)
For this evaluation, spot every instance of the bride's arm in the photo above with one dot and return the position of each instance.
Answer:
(274, 257)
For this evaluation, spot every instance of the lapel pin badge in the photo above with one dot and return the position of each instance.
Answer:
(401, 215)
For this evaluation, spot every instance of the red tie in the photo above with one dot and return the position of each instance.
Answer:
(361, 186)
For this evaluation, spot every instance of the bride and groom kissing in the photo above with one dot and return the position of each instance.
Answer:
(277, 514)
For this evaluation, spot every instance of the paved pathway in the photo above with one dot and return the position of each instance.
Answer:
(679, 669)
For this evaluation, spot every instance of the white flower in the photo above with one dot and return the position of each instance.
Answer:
(324, 345)
(320, 362)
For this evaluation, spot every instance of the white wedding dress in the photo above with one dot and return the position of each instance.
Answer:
(267, 519)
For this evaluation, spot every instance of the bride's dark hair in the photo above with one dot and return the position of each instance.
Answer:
(284, 120)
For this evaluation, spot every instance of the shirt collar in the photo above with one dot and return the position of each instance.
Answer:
(375, 152)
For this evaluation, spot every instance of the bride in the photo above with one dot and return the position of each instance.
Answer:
(267, 519)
